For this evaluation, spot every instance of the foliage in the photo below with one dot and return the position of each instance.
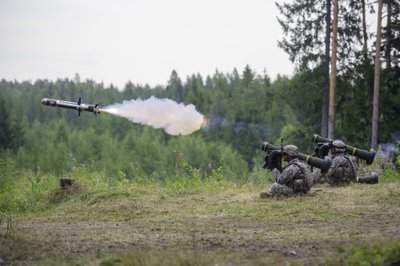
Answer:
(244, 108)
(368, 254)
(181, 258)
(303, 24)
(36, 193)
(10, 227)
(8, 197)
(390, 175)
(398, 162)
(7, 184)
(304, 27)
(11, 134)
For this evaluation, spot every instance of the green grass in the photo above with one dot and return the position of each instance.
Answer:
(195, 220)
(374, 254)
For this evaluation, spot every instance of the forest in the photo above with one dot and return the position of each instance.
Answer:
(244, 108)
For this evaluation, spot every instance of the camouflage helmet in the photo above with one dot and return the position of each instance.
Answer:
(338, 145)
(290, 150)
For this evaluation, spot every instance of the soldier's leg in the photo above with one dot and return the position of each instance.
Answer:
(280, 190)
(336, 181)
(317, 177)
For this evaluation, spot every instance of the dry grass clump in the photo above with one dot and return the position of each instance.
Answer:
(65, 191)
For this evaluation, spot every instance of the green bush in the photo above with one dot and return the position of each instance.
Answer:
(377, 253)
(390, 175)
(8, 173)
(8, 199)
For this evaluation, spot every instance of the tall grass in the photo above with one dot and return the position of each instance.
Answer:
(9, 228)
(24, 192)
(7, 195)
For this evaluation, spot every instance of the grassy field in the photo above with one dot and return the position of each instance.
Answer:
(197, 222)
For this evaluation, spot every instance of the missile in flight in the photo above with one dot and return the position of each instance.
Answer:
(79, 106)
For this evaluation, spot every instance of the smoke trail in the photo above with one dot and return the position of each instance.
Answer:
(213, 122)
(389, 151)
(174, 118)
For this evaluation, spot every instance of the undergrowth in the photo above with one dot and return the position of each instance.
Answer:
(364, 254)
(23, 192)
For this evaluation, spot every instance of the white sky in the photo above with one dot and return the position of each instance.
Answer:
(138, 40)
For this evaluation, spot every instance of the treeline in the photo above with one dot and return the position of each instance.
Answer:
(253, 110)
(57, 140)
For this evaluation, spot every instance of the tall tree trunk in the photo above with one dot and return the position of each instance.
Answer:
(388, 36)
(365, 34)
(332, 83)
(377, 77)
(366, 62)
(325, 90)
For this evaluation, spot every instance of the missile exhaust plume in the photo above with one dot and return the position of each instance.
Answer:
(213, 122)
(174, 118)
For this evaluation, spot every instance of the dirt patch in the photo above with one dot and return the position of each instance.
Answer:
(255, 239)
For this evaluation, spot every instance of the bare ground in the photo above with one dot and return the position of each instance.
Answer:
(235, 222)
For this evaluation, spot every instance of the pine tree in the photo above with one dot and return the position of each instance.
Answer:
(5, 126)
(332, 84)
(307, 34)
(377, 80)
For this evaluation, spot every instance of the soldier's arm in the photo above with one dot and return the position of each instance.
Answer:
(276, 172)
(287, 175)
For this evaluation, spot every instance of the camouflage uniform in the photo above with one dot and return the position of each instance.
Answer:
(343, 169)
(294, 179)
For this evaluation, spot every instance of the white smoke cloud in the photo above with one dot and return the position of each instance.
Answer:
(174, 118)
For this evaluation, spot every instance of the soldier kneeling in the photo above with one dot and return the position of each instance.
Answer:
(343, 169)
(295, 178)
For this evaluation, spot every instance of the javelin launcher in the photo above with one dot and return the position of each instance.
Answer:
(323, 146)
(79, 106)
(274, 155)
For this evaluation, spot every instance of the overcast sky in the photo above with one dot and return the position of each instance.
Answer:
(138, 40)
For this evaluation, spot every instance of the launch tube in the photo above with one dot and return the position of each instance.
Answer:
(323, 164)
(368, 156)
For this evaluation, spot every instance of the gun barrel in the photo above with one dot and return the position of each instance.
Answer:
(94, 108)
(368, 156)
